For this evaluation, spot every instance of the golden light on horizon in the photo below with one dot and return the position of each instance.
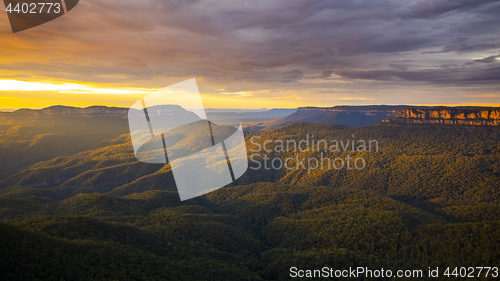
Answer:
(17, 93)
(67, 88)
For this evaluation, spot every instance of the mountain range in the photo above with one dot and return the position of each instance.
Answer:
(75, 204)
(263, 120)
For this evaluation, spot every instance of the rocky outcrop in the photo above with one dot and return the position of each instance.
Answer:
(449, 115)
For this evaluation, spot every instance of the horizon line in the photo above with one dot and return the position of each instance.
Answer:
(262, 108)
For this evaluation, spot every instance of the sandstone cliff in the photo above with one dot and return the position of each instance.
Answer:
(449, 115)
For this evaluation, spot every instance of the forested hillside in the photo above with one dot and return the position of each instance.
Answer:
(75, 204)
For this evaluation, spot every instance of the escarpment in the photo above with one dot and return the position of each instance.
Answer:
(449, 115)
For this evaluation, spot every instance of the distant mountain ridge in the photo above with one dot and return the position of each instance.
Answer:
(69, 111)
(356, 116)
(351, 116)
(119, 112)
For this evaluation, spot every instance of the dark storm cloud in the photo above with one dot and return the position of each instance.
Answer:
(446, 76)
(467, 45)
(432, 8)
(272, 44)
(292, 75)
(489, 59)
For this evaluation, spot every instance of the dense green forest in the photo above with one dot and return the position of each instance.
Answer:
(75, 204)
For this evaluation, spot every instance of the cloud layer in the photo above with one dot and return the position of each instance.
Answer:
(311, 52)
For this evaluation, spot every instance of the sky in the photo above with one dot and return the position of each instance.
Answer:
(258, 53)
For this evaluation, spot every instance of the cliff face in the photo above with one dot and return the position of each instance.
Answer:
(450, 115)
(367, 115)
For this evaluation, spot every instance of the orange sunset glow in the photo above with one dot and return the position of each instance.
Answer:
(95, 57)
